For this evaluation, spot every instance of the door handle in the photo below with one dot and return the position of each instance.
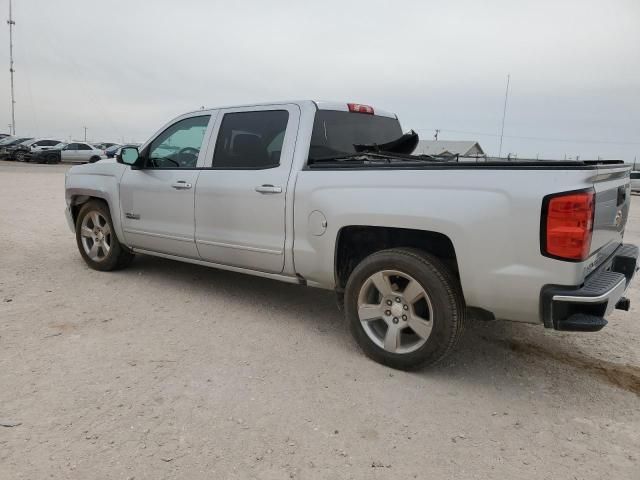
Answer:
(268, 189)
(181, 185)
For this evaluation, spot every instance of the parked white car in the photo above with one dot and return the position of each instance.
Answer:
(80, 152)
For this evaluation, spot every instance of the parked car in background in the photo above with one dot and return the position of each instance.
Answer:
(80, 152)
(113, 151)
(6, 148)
(4, 135)
(110, 152)
(52, 155)
(74, 152)
(635, 181)
(104, 145)
(22, 152)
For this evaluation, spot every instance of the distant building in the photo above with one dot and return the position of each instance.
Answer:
(449, 148)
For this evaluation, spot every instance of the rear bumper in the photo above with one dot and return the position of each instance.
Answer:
(585, 308)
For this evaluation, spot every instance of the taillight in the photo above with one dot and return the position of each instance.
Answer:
(567, 220)
(359, 108)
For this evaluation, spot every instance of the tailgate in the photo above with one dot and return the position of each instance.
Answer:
(613, 198)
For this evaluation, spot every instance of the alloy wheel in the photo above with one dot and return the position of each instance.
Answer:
(95, 233)
(395, 311)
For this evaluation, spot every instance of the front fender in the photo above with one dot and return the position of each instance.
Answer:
(96, 181)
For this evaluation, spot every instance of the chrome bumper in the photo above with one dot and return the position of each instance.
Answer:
(585, 308)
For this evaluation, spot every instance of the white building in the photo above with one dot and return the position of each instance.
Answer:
(449, 148)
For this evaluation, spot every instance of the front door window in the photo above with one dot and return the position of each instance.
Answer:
(179, 145)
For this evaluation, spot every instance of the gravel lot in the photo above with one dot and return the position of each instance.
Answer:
(169, 370)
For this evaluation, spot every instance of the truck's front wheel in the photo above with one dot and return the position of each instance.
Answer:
(405, 308)
(96, 238)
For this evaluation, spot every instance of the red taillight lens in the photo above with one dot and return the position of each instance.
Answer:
(569, 225)
(359, 108)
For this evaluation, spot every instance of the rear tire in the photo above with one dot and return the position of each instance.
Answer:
(19, 156)
(94, 159)
(405, 308)
(97, 241)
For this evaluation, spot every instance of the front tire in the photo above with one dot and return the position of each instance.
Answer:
(97, 241)
(405, 308)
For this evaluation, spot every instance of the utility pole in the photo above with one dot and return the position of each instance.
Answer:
(13, 101)
(504, 114)
(85, 133)
(435, 137)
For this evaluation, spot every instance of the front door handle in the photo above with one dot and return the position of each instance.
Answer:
(268, 189)
(181, 185)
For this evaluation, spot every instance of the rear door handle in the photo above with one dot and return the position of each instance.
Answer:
(181, 185)
(268, 189)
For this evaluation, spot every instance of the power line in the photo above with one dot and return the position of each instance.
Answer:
(547, 139)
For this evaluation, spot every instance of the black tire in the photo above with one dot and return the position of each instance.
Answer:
(118, 256)
(444, 292)
(94, 159)
(52, 159)
(19, 157)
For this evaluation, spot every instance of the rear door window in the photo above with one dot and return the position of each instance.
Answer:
(250, 140)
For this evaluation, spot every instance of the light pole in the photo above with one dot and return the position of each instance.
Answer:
(13, 101)
(504, 114)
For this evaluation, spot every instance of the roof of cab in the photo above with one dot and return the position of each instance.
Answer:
(319, 104)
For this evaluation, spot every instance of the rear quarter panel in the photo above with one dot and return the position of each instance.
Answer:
(491, 216)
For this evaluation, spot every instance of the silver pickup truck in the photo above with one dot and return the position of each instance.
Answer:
(328, 195)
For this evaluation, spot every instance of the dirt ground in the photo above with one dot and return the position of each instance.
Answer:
(168, 370)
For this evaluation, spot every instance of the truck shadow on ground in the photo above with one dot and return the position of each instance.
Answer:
(485, 346)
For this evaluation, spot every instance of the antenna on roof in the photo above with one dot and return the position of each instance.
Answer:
(13, 101)
(504, 114)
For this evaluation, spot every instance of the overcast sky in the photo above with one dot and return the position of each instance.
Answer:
(125, 67)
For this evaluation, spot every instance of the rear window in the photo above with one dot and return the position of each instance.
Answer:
(336, 132)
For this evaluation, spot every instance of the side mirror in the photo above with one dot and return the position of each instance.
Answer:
(127, 155)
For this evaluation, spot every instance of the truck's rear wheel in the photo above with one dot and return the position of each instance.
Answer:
(405, 308)
(96, 238)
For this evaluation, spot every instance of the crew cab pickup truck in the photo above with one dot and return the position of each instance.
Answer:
(328, 195)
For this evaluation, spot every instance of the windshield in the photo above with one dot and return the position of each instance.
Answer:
(336, 132)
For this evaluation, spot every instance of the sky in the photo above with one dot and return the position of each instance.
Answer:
(124, 68)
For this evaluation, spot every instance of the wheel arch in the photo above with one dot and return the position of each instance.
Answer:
(76, 198)
(356, 242)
